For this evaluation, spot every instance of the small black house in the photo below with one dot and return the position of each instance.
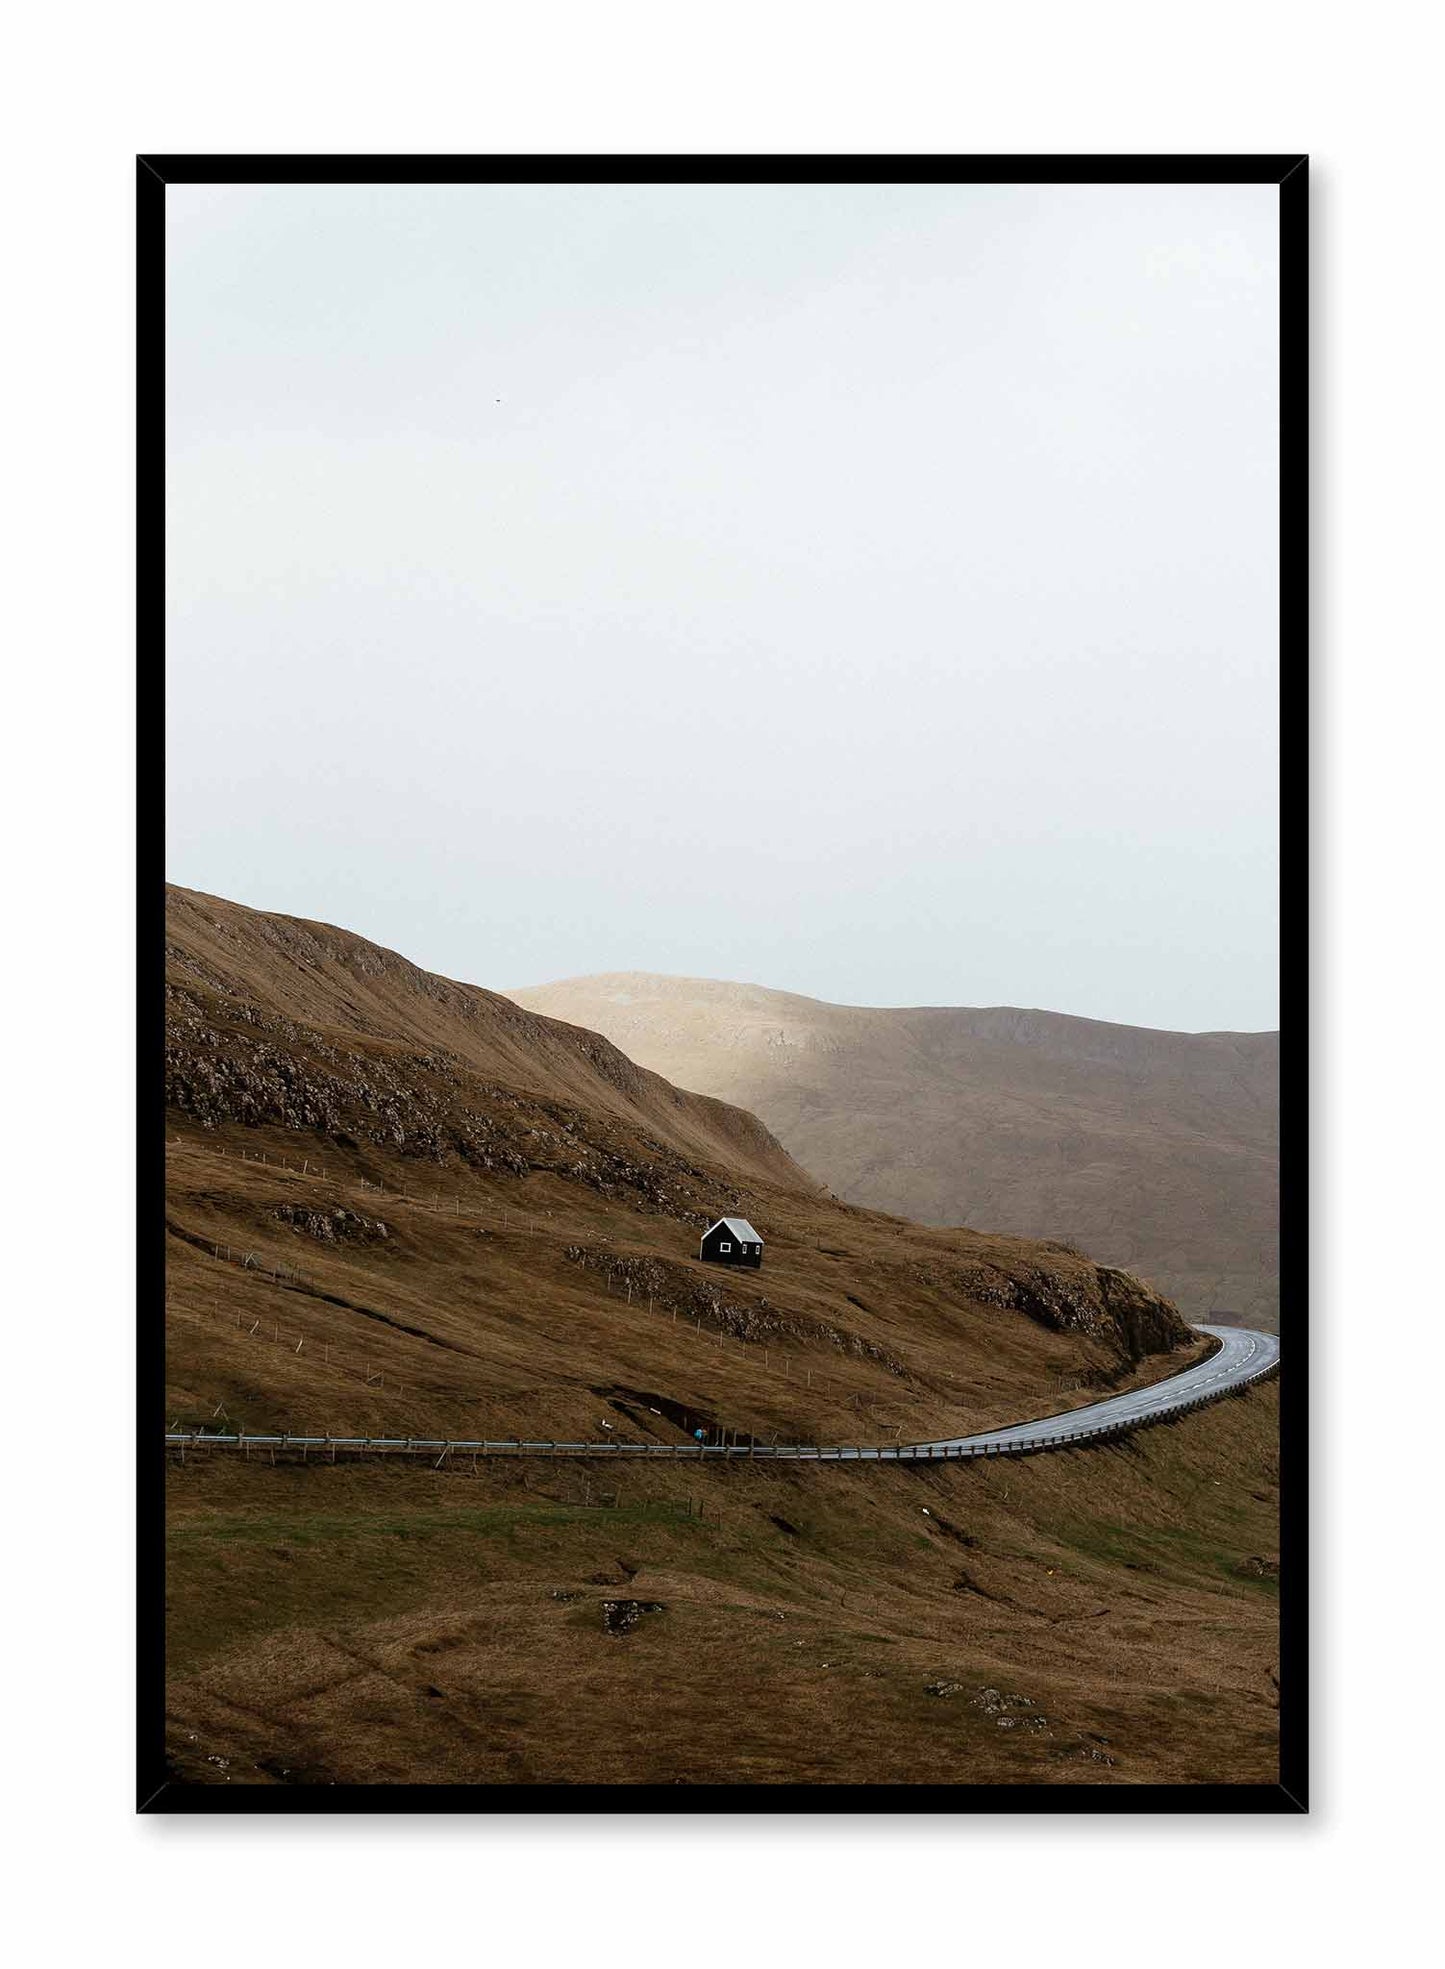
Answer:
(732, 1241)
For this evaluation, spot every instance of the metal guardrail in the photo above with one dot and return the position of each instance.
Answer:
(964, 1449)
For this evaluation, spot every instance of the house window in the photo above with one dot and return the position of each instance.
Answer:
(724, 1247)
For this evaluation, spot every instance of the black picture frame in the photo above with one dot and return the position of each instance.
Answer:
(157, 1790)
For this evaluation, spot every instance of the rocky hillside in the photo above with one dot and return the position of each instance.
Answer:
(273, 1020)
(1157, 1151)
(495, 1216)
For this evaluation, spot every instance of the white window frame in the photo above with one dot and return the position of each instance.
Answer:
(724, 1247)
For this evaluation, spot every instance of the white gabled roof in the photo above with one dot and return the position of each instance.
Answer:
(741, 1229)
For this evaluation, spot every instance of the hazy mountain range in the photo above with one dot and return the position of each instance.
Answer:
(1156, 1151)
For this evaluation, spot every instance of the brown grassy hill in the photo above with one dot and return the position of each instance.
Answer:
(313, 977)
(501, 1213)
(400, 1205)
(1102, 1617)
(1157, 1151)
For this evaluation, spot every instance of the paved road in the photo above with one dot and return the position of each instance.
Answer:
(1243, 1356)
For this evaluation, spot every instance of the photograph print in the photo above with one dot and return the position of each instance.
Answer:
(716, 1234)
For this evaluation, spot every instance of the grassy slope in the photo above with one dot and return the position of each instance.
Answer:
(480, 1323)
(1155, 1150)
(380, 1625)
(543, 1174)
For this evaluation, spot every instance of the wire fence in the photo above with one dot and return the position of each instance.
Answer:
(777, 1361)
(324, 1352)
(772, 1358)
(422, 1196)
(266, 1269)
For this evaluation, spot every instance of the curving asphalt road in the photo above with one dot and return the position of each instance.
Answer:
(1242, 1356)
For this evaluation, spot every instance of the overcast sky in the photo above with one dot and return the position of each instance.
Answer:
(866, 591)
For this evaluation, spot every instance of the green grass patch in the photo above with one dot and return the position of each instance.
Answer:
(486, 1522)
(1169, 1552)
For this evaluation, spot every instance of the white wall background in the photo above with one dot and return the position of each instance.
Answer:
(87, 90)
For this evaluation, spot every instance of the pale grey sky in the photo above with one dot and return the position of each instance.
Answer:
(865, 591)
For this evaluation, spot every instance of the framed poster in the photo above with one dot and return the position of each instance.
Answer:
(720, 981)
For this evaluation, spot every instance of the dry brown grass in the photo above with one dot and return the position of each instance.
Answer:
(378, 1626)
(1154, 1150)
(480, 1324)
(375, 1624)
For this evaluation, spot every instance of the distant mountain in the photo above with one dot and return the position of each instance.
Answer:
(1156, 1151)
